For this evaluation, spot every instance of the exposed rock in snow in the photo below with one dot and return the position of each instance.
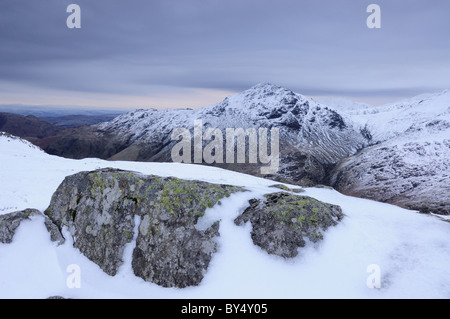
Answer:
(99, 209)
(283, 222)
(411, 249)
(10, 222)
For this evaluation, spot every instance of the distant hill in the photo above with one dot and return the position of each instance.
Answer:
(57, 111)
(74, 142)
(28, 127)
(78, 120)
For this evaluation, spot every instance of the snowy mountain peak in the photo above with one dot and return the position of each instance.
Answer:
(306, 127)
(261, 97)
(269, 91)
(265, 86)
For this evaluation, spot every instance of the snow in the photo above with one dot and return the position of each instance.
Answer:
(391, 120)
(264, 105)
(411, 249)
(411, 159)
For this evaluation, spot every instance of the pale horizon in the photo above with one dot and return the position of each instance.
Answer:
(193, 100)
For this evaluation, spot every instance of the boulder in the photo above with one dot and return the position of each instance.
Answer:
(99, 209)
(170, 251)
(282, 222)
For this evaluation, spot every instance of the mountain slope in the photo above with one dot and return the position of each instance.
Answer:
(313, 137)
(29, 127)
(390, 120)
(410, 165)
(72, 142)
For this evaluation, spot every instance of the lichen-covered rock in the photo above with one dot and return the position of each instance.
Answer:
(170, 251)
(10, 222)
(282, 222)
(173, 257)
(99, 210)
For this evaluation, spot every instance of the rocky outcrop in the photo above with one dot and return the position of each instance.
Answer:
(9, 223)
(170, 251)
(283, 222)
(171, 254)
(106, 209)
(99, 209)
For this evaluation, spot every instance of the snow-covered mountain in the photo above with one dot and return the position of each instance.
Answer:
(393, 119)
(410, 250)
(396, 152)
(312, 136)
(410, 163)
(345, 106)
(305, 123)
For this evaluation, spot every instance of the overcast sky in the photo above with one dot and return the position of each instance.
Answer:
(192, 53)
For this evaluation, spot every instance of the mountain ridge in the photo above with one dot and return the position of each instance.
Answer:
(312, 134)
(348, 148)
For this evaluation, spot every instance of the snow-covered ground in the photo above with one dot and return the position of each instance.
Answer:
(411, 250)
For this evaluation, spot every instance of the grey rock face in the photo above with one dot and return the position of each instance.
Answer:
(99, 209)
(10, 222)
(98, 212)
(173, 257)
(282, 222)
(170, 251)
(55, 234)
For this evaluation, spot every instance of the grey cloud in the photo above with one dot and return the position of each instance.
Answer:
(313, 46)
